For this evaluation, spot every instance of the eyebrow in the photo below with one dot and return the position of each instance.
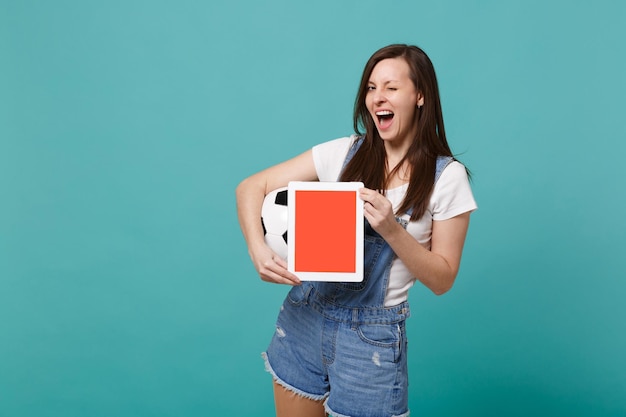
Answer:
(386, 82)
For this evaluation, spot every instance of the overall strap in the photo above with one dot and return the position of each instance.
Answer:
(442, 163)
(353, 148)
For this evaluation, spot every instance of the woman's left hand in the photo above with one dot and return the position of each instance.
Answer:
(378, 211)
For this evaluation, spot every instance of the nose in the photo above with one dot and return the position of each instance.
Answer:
(378, 97)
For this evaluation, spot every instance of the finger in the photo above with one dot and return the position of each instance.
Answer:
(286, 274)
(280, 261)
(285, 279)
(289, 278)
(368, 199)
(277, 279)
(367, 194)
(373, 207)
(276, 271)
(275, 275)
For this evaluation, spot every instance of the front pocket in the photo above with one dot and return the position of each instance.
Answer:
(298, 294)
(382, 335)
(387, 336)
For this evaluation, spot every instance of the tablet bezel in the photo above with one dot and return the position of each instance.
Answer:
(357, 275)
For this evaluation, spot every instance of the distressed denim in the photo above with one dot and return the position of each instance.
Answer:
(338, 342)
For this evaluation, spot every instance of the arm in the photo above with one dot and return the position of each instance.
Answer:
(435, 268)
(250, 194)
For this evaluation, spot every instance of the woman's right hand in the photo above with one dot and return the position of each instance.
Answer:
(250, 194)
(271, 267)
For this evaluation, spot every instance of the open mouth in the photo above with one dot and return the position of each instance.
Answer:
(385, 118)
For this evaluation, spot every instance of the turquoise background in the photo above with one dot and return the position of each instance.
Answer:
(125, 126)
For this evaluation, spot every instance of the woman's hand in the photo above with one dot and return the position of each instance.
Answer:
(272, 268)
(435, 268)
(379, 212)
(250, 194)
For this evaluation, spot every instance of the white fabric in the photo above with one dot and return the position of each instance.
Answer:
(452, 196)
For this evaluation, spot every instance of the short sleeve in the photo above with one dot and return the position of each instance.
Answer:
(452, 194)
(328, 157)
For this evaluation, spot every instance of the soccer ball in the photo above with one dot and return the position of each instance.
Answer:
(274, 215)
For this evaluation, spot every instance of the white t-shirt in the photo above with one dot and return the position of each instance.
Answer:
(451, 196)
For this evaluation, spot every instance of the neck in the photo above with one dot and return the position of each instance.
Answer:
(397, 173)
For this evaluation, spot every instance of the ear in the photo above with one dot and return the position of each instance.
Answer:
(420, 100)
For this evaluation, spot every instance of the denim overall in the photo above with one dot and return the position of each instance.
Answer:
(338, 340)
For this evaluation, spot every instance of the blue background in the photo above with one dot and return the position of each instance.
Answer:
(125, 126)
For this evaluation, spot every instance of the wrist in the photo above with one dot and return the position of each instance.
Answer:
(394, 232)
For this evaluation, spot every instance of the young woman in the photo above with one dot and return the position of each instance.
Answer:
(340, 348)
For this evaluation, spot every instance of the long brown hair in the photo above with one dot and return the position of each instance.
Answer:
(369, 163)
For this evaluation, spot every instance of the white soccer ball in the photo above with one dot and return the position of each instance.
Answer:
(274, 215)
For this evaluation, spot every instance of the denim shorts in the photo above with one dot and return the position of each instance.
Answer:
(355, 358)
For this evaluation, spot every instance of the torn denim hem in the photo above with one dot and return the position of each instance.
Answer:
(268, 368)
(330, 412)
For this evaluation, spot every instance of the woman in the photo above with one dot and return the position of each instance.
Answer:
(340, 348)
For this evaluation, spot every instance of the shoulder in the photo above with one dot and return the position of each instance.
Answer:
(453, 177)
(329, 156)
(452, 194)
(454, 171)
(335, 145)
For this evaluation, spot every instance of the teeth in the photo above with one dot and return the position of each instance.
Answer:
(384, 113)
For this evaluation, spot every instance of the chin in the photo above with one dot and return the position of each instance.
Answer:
(388, 136)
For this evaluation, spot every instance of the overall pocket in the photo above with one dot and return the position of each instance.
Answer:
(387, 336)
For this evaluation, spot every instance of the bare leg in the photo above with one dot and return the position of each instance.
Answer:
(290, 404)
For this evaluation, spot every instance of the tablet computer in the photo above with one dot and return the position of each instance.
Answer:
(325, 231)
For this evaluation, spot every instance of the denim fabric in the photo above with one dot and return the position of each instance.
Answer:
(354, 356)
(338, 341)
